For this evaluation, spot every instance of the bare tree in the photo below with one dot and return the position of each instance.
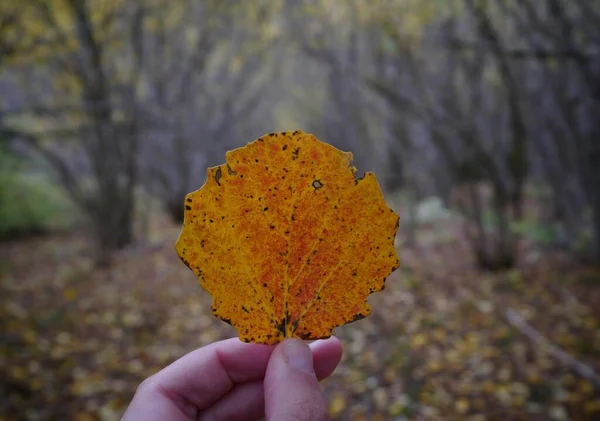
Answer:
(479, 82)
(132, 93)
(554, 48)
(199, 99)
(98, 118)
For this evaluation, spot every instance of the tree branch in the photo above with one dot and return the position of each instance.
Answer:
(527, 53)
(584, 370)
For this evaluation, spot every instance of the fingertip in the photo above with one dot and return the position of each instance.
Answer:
(332, 344)
(327, 354)
(298, 355)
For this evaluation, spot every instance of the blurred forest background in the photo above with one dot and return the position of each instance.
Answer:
(480, 118)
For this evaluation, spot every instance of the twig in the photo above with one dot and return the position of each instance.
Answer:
(580, 368)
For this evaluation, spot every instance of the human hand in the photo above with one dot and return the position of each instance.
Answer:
(231, 380)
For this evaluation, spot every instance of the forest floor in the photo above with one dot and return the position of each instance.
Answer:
(76, 341)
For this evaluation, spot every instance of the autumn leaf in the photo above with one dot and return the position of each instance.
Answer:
(286, 240)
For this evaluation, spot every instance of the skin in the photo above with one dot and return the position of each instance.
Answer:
(231, 380)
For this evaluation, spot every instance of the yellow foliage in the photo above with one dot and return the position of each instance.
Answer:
(418, 340)
(462, 406)
(337, 404)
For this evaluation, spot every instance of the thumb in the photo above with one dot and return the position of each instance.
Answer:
(292, 391)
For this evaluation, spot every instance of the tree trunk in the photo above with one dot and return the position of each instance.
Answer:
(595, 202)
(413, 223)
(493, 251)
(175, 210)
(114, 221)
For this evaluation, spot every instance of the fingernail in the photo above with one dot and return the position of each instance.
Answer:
(298, 355)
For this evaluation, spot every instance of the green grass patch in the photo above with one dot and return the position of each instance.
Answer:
(30, 202)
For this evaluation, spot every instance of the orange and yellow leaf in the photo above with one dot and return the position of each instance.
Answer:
(286, 240)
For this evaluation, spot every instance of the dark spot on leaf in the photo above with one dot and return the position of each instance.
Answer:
(358, 179)
(281, 326)
(188, 207)
(295, 325)
(305, 336)
(218, 176)
(357, 317)
(317, 184)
